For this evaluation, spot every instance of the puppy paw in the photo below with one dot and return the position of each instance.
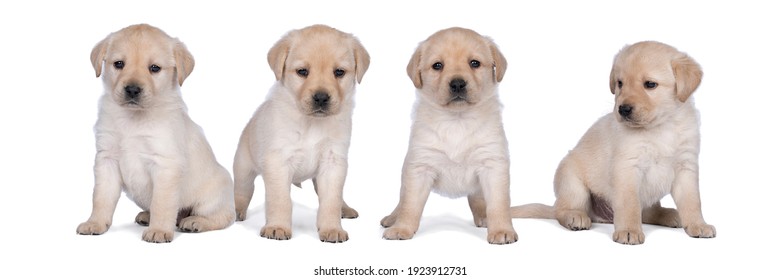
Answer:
(349, 213)
(336, 235)
(276, 232)
(630, 237)
(388, 221)
(701, 231)
(574, 220)
(193, 224)
(157, 236)
(92, 228)
(143, 218)
(667, 217)
(504, 236)
(480, 222)
(398, 233)
(241, 214)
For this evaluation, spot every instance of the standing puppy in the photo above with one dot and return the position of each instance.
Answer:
(302, 130)
(630, 159)
(457, 144)
(148, 146)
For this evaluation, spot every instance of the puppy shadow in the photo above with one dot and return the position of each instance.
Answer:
(304, 220)
(449, 223)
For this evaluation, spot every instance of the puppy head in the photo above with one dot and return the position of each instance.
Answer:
(321, 66)
(142, 65)
(456, 67)
(650, 80)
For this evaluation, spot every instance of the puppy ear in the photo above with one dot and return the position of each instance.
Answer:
(688, 75)
(98, 55)
(613, 80)
(413, 69)
(361, 60)
(277, 56)
(500, 63)
(184, 62)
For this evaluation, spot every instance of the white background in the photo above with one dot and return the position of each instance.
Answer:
(556, 85)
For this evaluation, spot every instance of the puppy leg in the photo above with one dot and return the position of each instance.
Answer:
(215, 211)
(347, 211)
(495, 183)
(627, 209)
(405, 219)
(658, 215)
(329, 214)
(477, 205)
(164, 208)
(244, 179)
(573, 199)
(104, 197)
(686, 194)
(279, 205)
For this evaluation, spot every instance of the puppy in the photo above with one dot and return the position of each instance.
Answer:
(457, 144)
(302, 130)
(148, 146)
(630, 159)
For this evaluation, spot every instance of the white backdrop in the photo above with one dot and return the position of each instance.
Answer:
(556, 85)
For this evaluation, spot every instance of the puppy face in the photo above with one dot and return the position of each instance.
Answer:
(321, 66)
(142, 63)
(456, 68)
(650, 80)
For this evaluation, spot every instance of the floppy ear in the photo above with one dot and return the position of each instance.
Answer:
(413, 69)
(688, 75)
(98, 55)
(361, 60)
(500, 63)
(184, 62)
(613, 80)
(277, 56)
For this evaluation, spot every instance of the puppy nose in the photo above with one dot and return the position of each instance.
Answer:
(321, 98)
(132, 91)
(625, 110)
(457, 86)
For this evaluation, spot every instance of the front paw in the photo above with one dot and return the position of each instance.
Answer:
(629, 237)
(276, 232)
(348, 212)
(158, 236)
(92, 228)
(336, 235)
(701, 231)
(397, 233)
(504, 236)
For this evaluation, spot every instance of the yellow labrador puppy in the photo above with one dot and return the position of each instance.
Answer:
(302, 130)
(630, 159)
(457, 144)
(148, 146)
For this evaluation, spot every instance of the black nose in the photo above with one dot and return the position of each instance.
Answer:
(457, 86)
(132, 91)
(321, 99)
(625, 110)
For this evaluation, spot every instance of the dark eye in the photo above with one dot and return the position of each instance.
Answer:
(338, 73)
(620, 84)
(119, 64)
(650, 85)
(474, 64)
(303, 72)
(437, 66)
(154, 68)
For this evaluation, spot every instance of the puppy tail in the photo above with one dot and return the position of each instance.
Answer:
(533, 210)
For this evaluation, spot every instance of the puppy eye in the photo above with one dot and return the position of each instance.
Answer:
(303, 72)
(474, 64)
(620, 84)
(119, 64)
(437, 66)
(650, 85)
(338, 73)
(154, 68)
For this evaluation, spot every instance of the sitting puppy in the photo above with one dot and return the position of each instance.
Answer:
(457, 144)
(148, 146)
(302, 131)
(630, 159)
